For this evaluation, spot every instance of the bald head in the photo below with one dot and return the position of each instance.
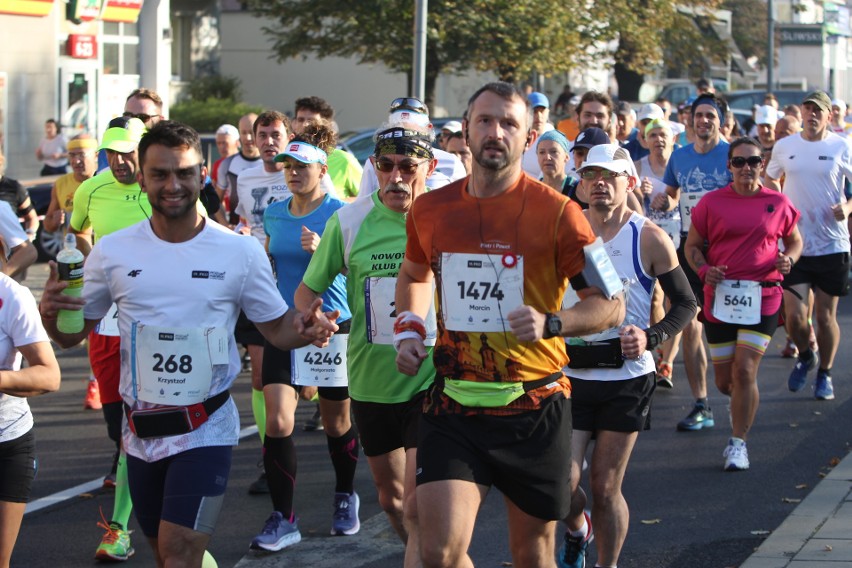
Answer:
(787, 126)
(246, 128)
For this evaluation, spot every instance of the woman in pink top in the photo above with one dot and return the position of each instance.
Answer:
(742, 270)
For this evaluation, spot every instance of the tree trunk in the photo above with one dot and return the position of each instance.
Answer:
(629, 83)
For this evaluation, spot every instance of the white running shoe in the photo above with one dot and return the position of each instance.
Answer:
(736, 456)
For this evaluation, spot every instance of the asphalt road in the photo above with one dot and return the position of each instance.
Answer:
(685, 511)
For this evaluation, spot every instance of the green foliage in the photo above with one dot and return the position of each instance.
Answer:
(749, 27)
(208, 115)
(215, 87)
(513, 38)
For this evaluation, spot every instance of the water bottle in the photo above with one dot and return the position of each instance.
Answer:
(70, 265)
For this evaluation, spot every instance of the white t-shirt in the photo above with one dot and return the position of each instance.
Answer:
(201, 283)
(448, 170)
(20, 325)
(256, 189)
(55, 145)
(10, 227)
(233, 165)
(815, 174)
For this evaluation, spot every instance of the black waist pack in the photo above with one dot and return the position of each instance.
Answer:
(595, 355)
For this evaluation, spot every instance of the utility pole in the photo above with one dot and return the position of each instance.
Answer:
(418, 69)
(770, 66)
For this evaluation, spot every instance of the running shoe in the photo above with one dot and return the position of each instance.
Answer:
(314, 423)
(109, 481)
(699, 417)
(277, 534)
(790, 350)
(93, 396)
(345, 520)
(259, 486)
(799, 375)
(736, 456)
(572, 553)
(823, 389)
(664, 376)
(115, 544)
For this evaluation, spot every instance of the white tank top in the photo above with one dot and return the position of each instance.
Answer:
(626, 256)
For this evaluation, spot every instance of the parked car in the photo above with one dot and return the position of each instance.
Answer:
(741, 102)
(360, 142)
(48, 244)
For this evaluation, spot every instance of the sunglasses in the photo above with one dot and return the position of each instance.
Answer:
(604, 174)
(141, 116)
(405, 167)
(408, 103)
(753, 161)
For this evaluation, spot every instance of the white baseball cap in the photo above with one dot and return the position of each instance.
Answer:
(766, 114)
(650, 111)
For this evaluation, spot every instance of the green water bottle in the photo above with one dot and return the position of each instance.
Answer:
(70, 266)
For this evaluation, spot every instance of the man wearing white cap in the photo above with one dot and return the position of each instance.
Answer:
(612, 404)
(765, 119)
(449, 129)
(412, 112)
(637, 146)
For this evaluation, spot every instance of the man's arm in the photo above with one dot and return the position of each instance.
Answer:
(593, 313)
(297, 329)
(41, 375)
(84, 240)
(53, 217)
(667, 200)
(771, 182)
(30, 216)
(413, 296)
(21, 257)
(660, 257)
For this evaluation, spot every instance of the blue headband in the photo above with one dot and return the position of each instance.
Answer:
(555, 136)
(709, 101)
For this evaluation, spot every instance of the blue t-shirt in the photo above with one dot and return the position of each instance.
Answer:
(632, 145)
(696, 174)
(291, 261)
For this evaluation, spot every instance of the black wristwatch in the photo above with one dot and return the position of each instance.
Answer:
(552, 325)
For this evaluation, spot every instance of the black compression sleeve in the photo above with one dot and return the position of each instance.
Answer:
(676, 287)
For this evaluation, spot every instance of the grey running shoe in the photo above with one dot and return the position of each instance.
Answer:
(346, 520)
(277, 534)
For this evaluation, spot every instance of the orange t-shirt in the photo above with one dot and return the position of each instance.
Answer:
(530, 221)
(569, 127)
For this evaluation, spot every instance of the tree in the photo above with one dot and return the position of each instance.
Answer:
(513, 38)
(660, 33)
(750, 28)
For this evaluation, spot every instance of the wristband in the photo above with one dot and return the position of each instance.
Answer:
(702, 272)
(408, 326)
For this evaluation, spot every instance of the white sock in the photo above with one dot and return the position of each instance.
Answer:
(582, 532)
(736, 442)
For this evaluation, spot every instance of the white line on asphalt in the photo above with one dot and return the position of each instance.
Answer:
(92, 485)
